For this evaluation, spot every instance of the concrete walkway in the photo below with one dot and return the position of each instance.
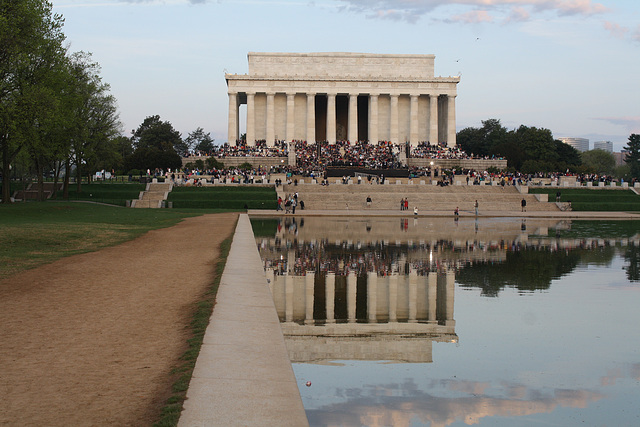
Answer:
(243, 376)
(483, 213)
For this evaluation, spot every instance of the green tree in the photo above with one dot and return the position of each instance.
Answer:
(31, 42)
(200, 141)
(633, 155)
(482, 141)
(96, 120)
(598, 161)
(154, 146)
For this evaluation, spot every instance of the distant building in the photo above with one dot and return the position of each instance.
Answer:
(580, 144)
(604, 146)
(620, 157)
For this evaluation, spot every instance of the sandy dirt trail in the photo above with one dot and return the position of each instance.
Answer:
(91, 339)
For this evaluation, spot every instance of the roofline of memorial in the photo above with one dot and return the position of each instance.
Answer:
(345, 54)
(450, 79)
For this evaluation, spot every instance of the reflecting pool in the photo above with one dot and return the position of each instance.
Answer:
(436, 322)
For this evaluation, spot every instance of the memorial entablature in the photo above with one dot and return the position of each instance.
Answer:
(343, 96)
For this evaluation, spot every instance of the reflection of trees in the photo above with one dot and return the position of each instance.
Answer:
(632, 256)
(526, 270)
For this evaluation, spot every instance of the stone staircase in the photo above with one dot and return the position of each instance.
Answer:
(425, 197)
(31, 192)
(153, 195)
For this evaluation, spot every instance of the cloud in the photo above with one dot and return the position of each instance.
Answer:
(636, 34)
(380, 405)
(630, 123)
(472, 17)
(513, 10)
(518, 14)
(616, 30)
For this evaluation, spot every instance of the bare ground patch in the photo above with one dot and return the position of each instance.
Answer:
(91, 339)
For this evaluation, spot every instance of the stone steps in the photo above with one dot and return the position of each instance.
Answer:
(425, 198)
(153, 196)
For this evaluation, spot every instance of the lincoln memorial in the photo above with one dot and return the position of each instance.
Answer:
(343, 97)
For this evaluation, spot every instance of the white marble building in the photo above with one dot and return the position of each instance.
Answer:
(343, 96)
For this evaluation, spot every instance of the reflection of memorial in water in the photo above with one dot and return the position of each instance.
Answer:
(363, 297)
(367, 289)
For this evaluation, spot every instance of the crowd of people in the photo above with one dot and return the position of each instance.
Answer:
(312, 160)
(425, 150)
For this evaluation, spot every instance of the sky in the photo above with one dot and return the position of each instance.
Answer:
(571, 66)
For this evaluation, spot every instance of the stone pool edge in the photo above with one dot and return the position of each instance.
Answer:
(243, 375)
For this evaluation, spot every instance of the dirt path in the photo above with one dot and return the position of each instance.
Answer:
(90, 340)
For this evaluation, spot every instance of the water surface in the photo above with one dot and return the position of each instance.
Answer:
(436, 322)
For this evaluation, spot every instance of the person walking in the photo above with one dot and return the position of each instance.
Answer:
(523, 204)
(475, 205)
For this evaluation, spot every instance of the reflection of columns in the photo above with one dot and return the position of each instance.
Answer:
(373, 119)
(311, 118)
(394, 119)
(233, 118)
(372, 294)
(413, 132)
(271, 117)
(353, 118)
(413, 295)
(330, 297)
(290, 116)
(451, 287)
(308, 297)
(331, 118)
(433, 119)
(251, 119)
(451, 121)
(393, 297)
(352, 281)
(288, 297)
(431, 296)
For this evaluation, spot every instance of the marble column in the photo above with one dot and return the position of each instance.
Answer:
(432, 293)
(372, 296)
(331, 118)
(451, 288)
(352, 282)
(394, 119)
(352, 125)
(433, 119)
(271, 119)
(251, 119)
(311, 118)
(393, 297)
(308, 298)
(233, 118)
(330, 297)
(290, 116)
(373, 118)
(451, 121)
(413, 295)
(288, 297)
(413, 127)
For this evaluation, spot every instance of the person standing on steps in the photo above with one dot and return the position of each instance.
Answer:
(475, 205)
(523, 204)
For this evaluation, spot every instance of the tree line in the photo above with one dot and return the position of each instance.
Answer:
(532, 150)
(57, 116)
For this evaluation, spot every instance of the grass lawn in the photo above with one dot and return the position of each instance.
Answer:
(37, 233)
(105, 192)
(582, 199)
(229, 197)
